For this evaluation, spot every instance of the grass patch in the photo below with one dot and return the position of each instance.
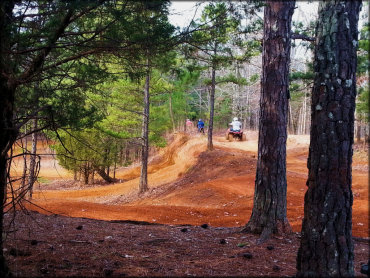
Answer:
(43, 180)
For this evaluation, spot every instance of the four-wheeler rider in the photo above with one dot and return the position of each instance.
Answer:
(236, 125)
(200, 126)
(235, 132)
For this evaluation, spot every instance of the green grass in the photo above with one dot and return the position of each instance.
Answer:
(43, 180)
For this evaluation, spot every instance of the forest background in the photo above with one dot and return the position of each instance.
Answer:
(109, 134)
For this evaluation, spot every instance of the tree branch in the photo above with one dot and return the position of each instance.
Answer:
(296, 36)
(39, 59)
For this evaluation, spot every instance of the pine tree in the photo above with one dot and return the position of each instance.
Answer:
(326, 247)
(269, 208)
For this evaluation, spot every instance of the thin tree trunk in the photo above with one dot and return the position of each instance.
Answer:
(171, 114)
(114, 169)
(32, 178)
(326, 247)
(358, 131)
(74, 174)
(366, 135)
(211, 108)
(137, 154)
(143, 186)
(300, 121)
(120, 155)
(91, 177)
(251, 123)
(25, 165)
(127, 154)
(256, 121)
(245, 126)
(86, 173)
(290, 120)
(200, 102)
(269, 209)
(304, 114)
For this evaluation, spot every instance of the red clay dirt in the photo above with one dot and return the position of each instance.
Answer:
(191, 186)
(188, 186)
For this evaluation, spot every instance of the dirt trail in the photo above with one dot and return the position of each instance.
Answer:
(191, 186)
(166, 167)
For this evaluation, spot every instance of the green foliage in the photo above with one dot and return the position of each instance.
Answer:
(86, 149)
(363, 105)
(222, 40)
(223, 111)
(219, 32)
(300, 83)
(254, 78)
(298, 75)
(363, 51)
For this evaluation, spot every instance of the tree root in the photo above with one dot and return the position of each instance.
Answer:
(281, 228)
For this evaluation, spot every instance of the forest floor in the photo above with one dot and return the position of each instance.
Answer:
(99, 230)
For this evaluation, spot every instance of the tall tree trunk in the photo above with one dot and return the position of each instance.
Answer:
(326, 247)
(8, 134)
(7, 138)
(211, 108)
(32, 177)
(269, 208)
(143, 186)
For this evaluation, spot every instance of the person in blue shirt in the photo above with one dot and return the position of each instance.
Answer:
(200, 126)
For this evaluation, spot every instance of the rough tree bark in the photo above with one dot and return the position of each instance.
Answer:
(143, 186)
(86, 172)
(7, 138)
(326, 247)
(269, 208)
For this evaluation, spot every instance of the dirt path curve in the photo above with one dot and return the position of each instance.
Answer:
(190, 186)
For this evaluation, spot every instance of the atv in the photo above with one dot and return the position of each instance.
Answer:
(231, 135)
